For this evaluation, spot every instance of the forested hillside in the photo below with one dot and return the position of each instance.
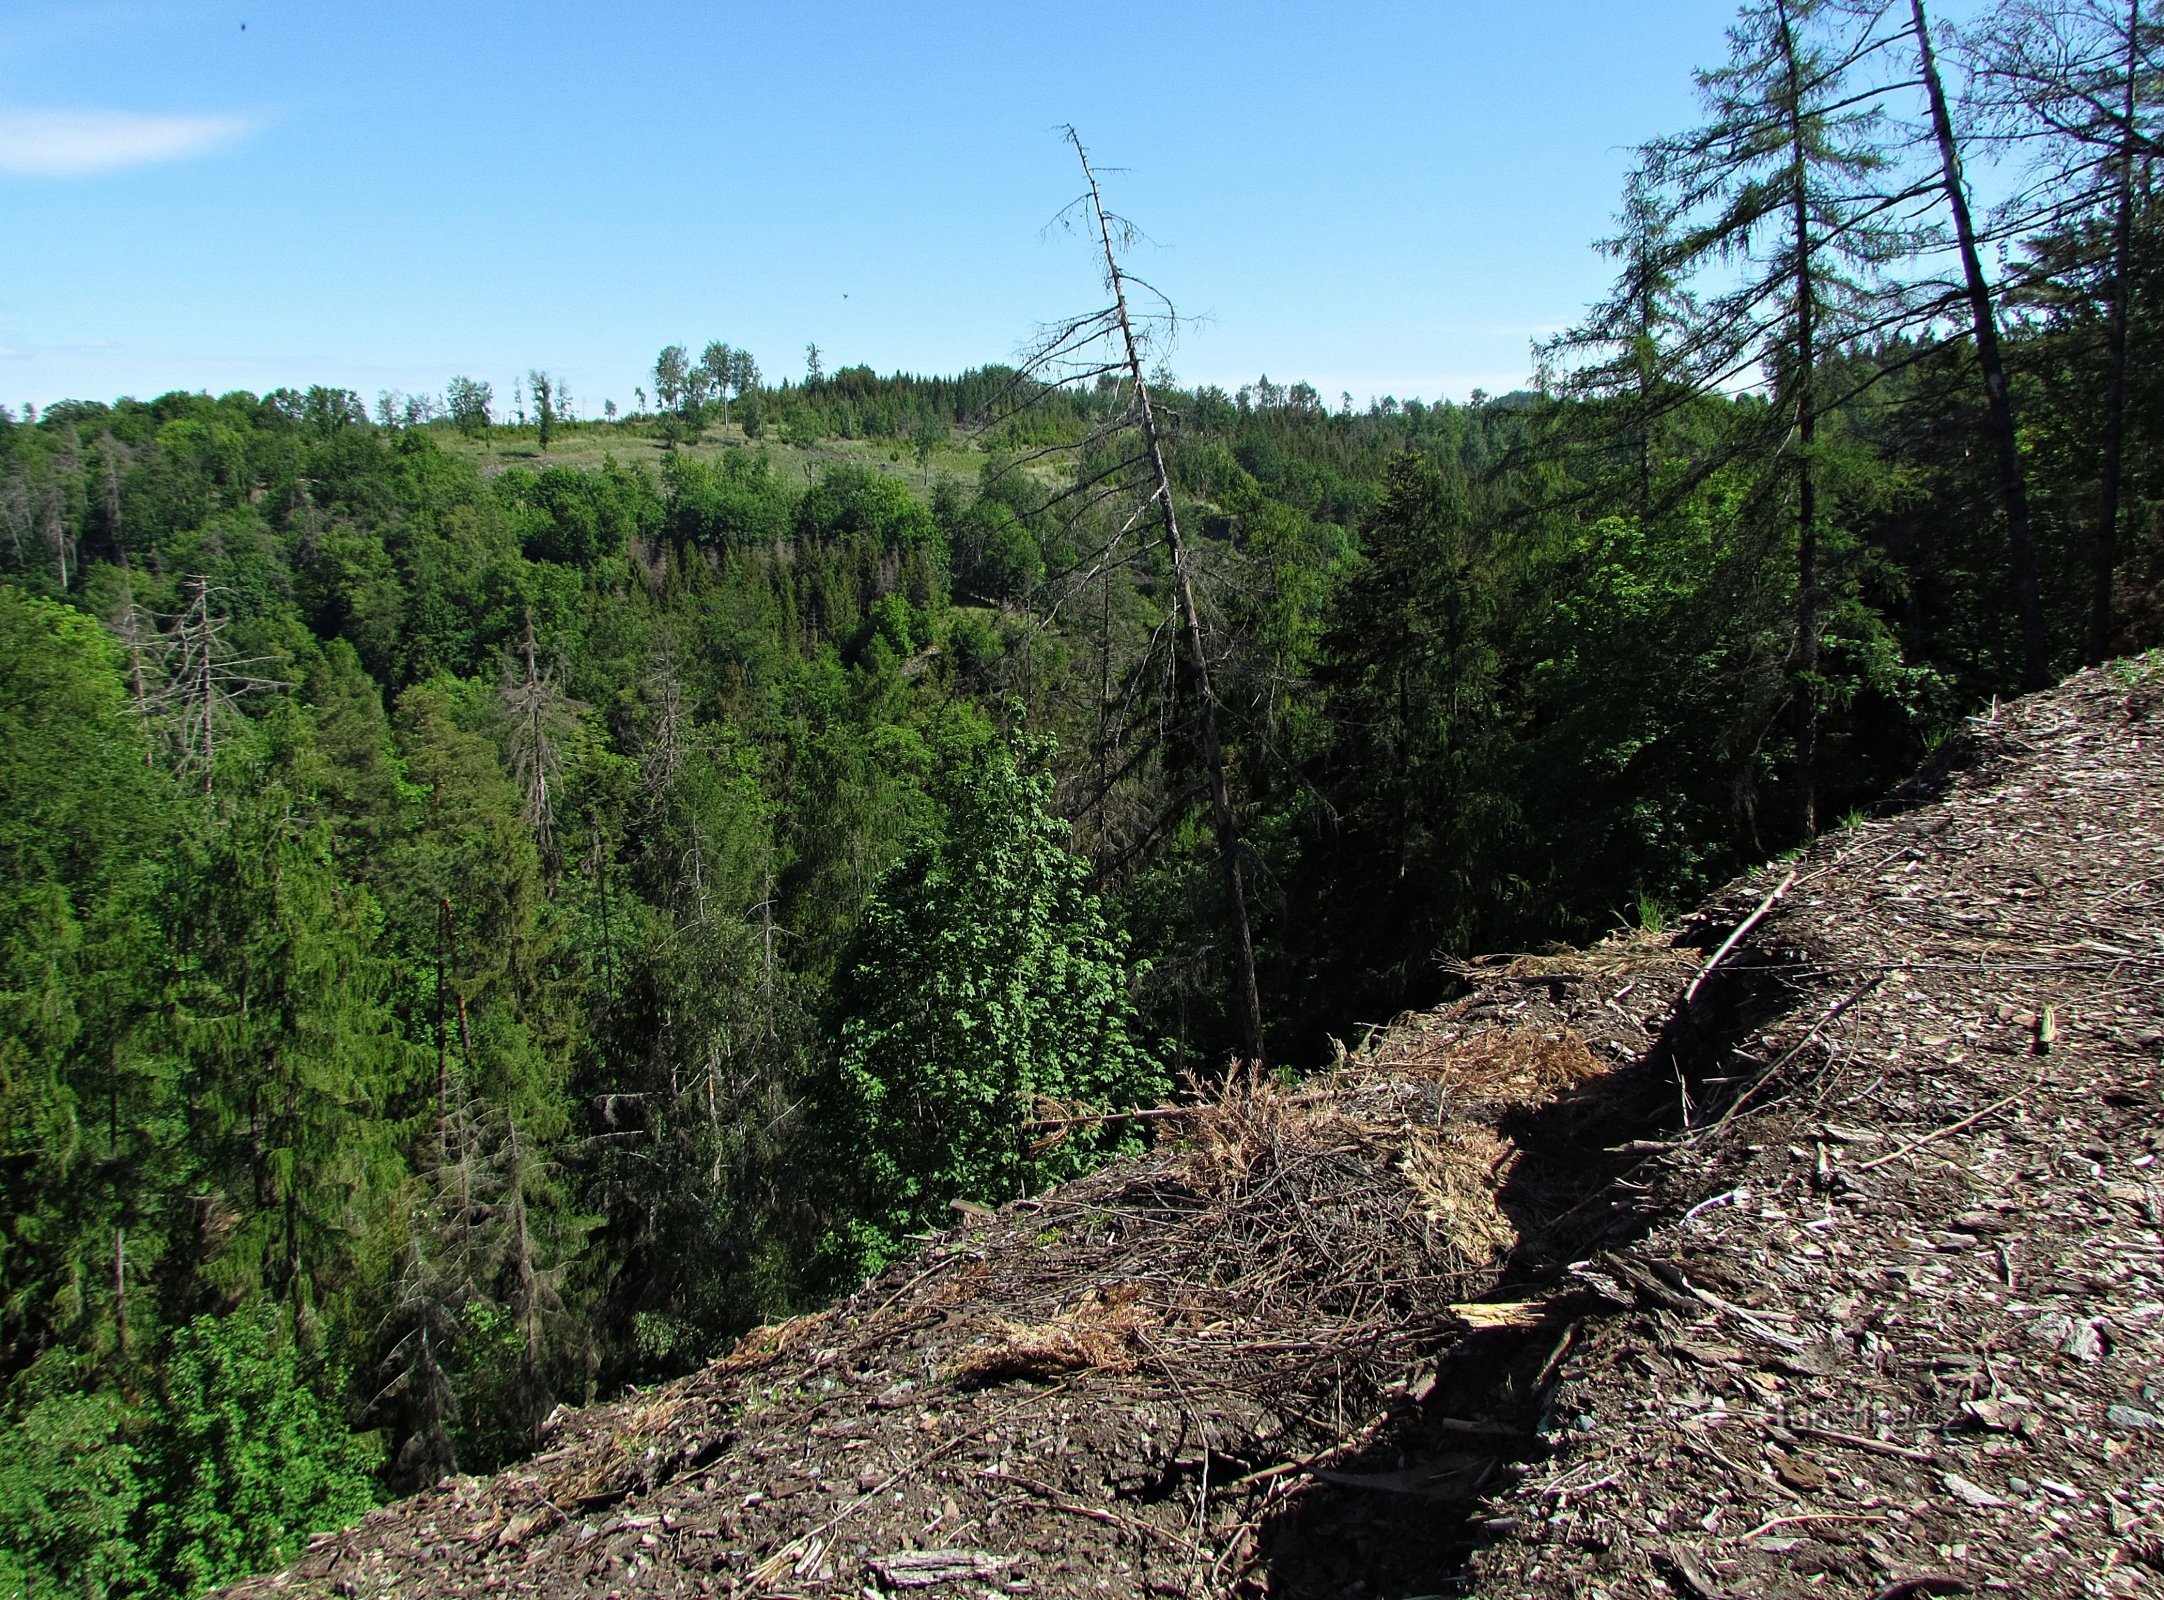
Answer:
(492, 906)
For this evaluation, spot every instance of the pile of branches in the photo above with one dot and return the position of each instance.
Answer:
(1284, 1234)
(1102, 1381)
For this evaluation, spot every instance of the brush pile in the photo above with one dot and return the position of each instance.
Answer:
(1107, 1388)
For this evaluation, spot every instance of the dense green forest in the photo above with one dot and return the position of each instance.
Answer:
(493, 906)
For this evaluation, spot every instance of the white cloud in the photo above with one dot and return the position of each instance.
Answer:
(81, 144)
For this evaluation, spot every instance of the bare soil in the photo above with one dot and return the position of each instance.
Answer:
(1831, 1266)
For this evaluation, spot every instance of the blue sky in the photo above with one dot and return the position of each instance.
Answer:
(1388, 198)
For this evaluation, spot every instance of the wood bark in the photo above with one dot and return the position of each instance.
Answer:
(1806, 407)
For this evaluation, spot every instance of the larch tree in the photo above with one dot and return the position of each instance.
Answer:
(1782, 193)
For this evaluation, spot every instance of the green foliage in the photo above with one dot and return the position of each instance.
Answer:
(732, 501)
(236, 1457)
(468, 400)
(588, 865)
(72, 1487)
(294, 1064)
(984, 981)
(248, 1457)
(578, 518)
(85, 1118)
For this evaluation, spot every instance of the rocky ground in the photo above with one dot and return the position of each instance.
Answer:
(1820, 1260)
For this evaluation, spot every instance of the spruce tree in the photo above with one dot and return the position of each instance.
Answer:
(89, 1135)
(295, 1063)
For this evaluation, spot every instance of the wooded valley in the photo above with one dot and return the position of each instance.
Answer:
(493, 906)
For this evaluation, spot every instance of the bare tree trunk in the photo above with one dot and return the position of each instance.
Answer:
(120, 1288)
(1646, 312)
(443, 1042)
(56, 530)
(293, 1196)
(766, 953)
(1247, 998)
(526, 1306)
(1998, 397)
(599, 864)
(130, 628)
(108, 449)
(15, 507)
(1807, 589)
(2122, 295)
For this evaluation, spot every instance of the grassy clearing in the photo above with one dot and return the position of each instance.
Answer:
(588, 444)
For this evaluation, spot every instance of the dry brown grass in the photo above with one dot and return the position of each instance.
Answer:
(1457, 1173)
(763, 1344)
(1496, 1070)
(1628, 953)
(1098, 1334)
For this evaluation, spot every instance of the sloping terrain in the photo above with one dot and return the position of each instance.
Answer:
(1910, 1324)
(1822, 1262)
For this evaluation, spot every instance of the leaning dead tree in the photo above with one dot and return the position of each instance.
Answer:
(1998, 393)
(1121, 488)
(2070, 89)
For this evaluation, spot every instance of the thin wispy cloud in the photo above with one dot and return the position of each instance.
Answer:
(83, 144)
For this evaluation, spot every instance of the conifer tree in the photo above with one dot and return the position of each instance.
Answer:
(2075, 87)
(1632, 355)
(1123, 471)
(294, 1059)
(479, 1331)
(1782, 187)
(89, 1141)
(1412, 674)
(204, 681)
(1998, 393)
(541, 718)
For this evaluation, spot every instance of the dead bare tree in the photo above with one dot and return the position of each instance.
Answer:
(137, 630)
(15, 512)
(204, 680)
(54, 532)
(541, 719)
(1122, 475)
